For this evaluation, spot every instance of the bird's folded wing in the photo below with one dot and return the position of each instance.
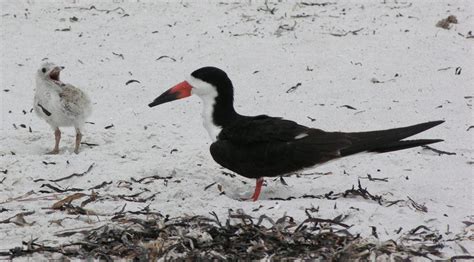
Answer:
(74, 101)
(249, 130)
(267, 146)
(265, 129)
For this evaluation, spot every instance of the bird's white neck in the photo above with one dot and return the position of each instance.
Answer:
(213, 120)
(207, 115)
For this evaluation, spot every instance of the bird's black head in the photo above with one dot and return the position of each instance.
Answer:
(212, 85)
(212, 75)
(215, 77)
(209, 83)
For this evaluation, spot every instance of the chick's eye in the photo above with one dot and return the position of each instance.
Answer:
(43, 70)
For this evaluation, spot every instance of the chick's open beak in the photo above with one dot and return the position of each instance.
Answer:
(54, 74)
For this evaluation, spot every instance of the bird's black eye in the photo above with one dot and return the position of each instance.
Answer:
(43, 70)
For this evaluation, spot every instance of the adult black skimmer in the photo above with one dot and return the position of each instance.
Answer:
(263, 146)
(60, 104)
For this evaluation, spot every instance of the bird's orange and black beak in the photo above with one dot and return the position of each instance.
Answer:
(178, 91)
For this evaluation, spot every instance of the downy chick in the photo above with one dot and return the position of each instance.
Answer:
(60, 104)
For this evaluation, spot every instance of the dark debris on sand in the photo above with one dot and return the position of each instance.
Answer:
(147, 237)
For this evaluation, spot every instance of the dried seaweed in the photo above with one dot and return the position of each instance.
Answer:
(131, 81)
(59, 190)
(360, 191)
(149, 179)
(134, 197)
(103, 184)
(363, 193)
(370, 178)
(19, 219)
(417, 206)
(422, 241)
(293, 88)
(349, 107)
(165, 56)
(89, 144)
(61, 203)
(119, 55)
(67, 177)
(353, 32)
(210, 185)
(317, 4)
(439, 152)
(456, 258)
(119, 9)
(240, 237)
(267, 8)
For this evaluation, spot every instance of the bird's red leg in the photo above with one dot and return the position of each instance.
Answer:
(258, 188)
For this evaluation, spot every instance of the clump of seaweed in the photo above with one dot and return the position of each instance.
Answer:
(240, 236)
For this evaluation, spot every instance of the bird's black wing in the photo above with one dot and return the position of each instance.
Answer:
(268, 146)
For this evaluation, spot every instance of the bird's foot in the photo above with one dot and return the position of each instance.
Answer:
(253, 198)
(245, 199)
(249, 199)
(76, 151)
(53, 152)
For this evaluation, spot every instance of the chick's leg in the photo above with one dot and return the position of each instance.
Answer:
(78, 140)
(57, 138)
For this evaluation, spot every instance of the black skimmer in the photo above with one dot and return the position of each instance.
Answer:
(263, 146)
(60, 104)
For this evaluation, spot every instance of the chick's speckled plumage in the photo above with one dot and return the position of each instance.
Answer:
(58, 103)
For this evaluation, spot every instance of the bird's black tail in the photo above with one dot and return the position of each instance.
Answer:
(388, 140)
